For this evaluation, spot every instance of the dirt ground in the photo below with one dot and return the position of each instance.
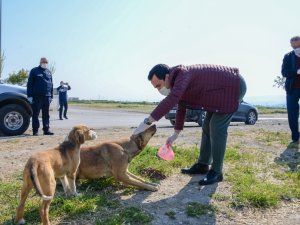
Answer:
(175, 191)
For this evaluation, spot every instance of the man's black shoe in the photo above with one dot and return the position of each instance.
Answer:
(65, 117)
(48, 133)
(197, 168)
(61, 118)
(211, 178)
(35, 134)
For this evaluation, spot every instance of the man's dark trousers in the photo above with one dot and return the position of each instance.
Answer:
(292, 99)
(40, 103)
(63, 104)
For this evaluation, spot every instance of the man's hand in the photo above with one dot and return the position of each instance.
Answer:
(30, 99)
(173, 137)
(298, 71)
(142, 127)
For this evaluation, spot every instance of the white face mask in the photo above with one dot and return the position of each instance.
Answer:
(164, 91)
(297, 51)
(44, 65)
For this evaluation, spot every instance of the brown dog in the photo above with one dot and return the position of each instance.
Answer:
(43, 167)
(112, 159)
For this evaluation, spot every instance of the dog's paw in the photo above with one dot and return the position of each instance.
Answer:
(152, 188)
(155, 184)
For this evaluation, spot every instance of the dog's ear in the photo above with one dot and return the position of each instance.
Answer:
(79, 135)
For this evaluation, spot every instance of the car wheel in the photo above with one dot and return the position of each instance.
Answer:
(201, 118)
(172, 122)
(251, 117)
(14, 120)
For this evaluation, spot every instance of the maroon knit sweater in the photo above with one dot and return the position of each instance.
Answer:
(209, 87)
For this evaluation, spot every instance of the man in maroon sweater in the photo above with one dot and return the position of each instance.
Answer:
(218, 90)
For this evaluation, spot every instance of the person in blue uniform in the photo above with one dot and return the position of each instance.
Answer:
(63, 99)
(291, 71)
(40, 95)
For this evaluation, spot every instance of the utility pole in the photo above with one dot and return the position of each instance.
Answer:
(1, 55)
(0, 25)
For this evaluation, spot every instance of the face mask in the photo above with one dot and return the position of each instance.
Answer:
(297, 51)
(164, 91)
(44, 65)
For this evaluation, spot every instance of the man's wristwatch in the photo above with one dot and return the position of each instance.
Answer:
(147, 121)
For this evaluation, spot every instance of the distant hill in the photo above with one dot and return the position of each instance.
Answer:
(269, 101)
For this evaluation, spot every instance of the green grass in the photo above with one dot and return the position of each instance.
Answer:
(255, 180)
(195, 209)
(220, 197)
(270, 110)
(270, 137)
(145, 107)
(171, 215)
(130, 215)
(148, 158)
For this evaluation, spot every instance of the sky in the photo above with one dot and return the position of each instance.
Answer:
(105, 48)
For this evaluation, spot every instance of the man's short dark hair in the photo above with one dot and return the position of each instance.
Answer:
(160, 70)
(296, 38)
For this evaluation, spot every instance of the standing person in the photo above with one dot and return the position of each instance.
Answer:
(291, 71)
(63, 98)
(40, 95)
(216, 89)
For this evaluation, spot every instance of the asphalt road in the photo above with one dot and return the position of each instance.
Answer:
(100, 118)
(116, 118)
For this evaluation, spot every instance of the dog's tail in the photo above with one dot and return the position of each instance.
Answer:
(36, 183)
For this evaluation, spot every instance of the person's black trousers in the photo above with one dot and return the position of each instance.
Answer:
(63, 105)
(40, 103)
(292, 104)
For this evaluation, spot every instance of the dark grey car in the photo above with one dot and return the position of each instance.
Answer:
(246, 113)
(15, 110)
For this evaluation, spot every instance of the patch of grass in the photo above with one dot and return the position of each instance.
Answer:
(195, 209)
(60, 207)
(148, 158)
(98, 184)
(171, 215)
(146, 107)
(232, 154)
(9, 192)
(270, 110)
(270, 137)
(13, 140)
(220, 197)
(130, 215)
(250, 189)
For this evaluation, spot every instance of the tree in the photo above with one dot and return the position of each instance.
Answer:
(279, 82)
(52, 68)
(19, 78)
(2, 58)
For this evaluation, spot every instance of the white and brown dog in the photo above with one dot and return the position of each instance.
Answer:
(43, 167)
(112, 158)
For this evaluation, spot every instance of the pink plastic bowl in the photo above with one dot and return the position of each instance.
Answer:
(166, 152)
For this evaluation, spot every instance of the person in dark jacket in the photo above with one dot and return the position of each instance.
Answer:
(40, 95)
(291, 71)
(63, 99)
(218, 90)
